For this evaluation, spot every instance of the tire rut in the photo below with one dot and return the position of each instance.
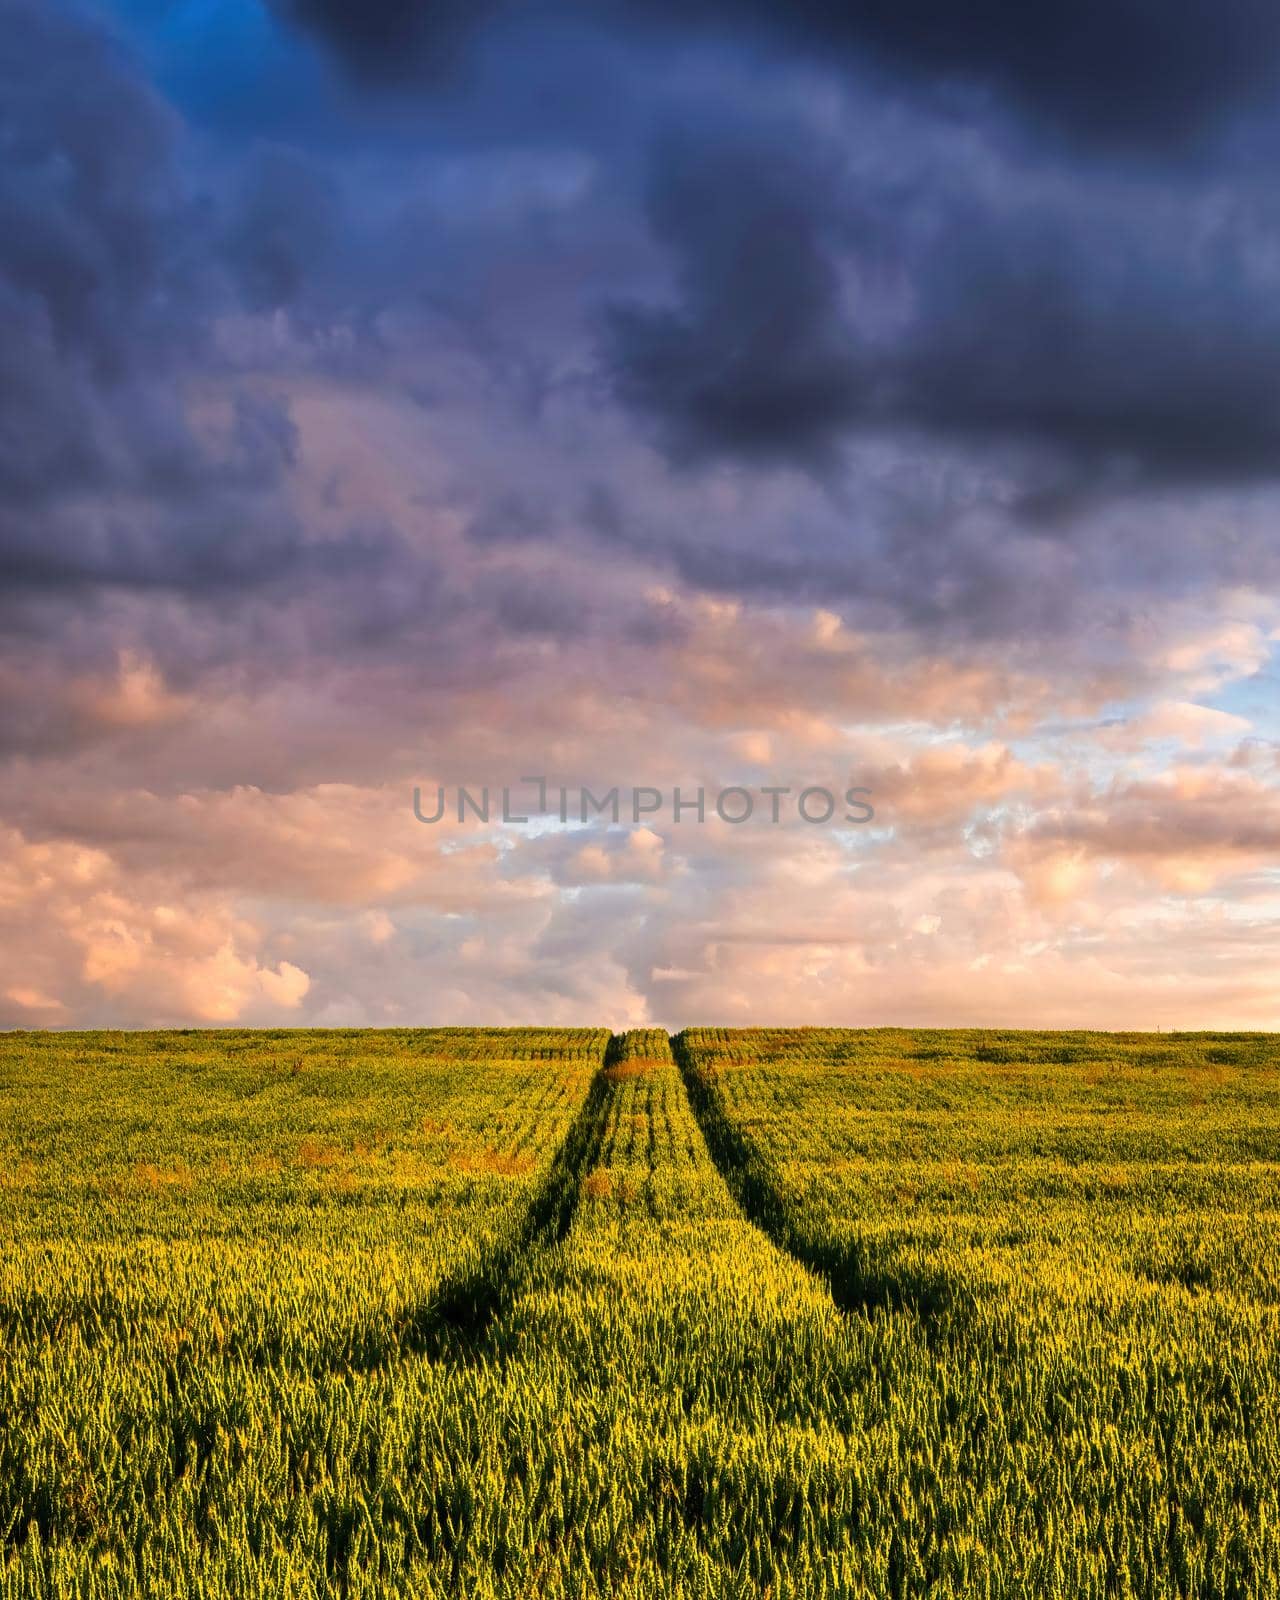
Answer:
(456, 1321)
(857, 1282)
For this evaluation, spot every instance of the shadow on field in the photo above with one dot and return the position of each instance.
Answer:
(455, 1322)
(859, 1277)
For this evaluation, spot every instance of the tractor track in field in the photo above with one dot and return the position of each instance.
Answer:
(454, 1324)
(856, 1282)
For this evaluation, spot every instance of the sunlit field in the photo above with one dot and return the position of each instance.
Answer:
(554, 1312)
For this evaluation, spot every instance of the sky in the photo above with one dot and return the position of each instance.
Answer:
(719, 394)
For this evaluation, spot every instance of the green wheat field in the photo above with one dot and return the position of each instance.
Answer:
(485, 1312)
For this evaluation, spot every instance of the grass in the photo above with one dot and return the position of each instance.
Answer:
(537, 1312)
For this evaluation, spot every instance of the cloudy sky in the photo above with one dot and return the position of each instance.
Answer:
(723, 393)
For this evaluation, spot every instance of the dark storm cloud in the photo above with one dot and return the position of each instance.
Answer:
(757, 358)
(100, 291)
(1066, 328)
(111, 278)
(83, 233)
(1130, 328)
(394, 40)
(156, 492)
(283, 221)
(1109, 71)
(1118, 73)
(213, 529)
(83, 161)
(1149, 334)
